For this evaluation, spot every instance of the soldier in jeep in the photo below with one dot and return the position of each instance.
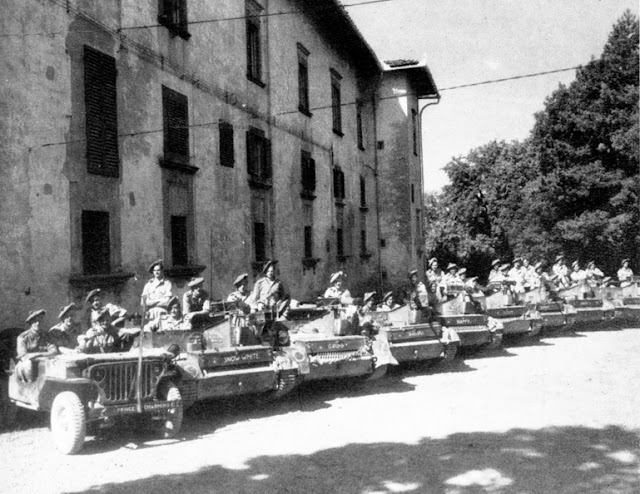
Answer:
(172, 321)
(64, 334)
(32, 343)
(102, 337)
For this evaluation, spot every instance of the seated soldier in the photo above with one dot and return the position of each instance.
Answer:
(495, 274)
(64, 335)
(196, 305)
(173, 321)
(97, 307)
(337, 289)
(594, 275)
(388, 303)
(242, 296)
(625, 273)
(100, 338)
(32, 343)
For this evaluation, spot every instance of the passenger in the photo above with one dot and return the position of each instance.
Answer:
(277, 333)
(495, 275)
(561, 271)
(368, 303)
(196, 305)
(64, 335)
(434, 276)
(418, 298)
(594, 275)
(452, 278)
(462, 274)
(157, 292)
(388, 303)
(535, 280)
(577, 275)
(528, 268)
(96, 306)
(518, 275)
(32, 343)
(625, 273)
(173, 321)
(268, 290)
(337, 289)
(100, 338)
(242, 296)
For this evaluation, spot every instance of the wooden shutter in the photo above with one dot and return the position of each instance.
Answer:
(175, 109)
(227, 154)
(267, 167)
(101, 113)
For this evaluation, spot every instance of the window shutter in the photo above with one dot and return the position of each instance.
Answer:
(101, 113)
(176, 122)
(251, 168)
(267, 169)
(227, 154)
(312, 174)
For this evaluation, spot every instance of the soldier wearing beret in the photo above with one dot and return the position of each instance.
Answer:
(196, 305)
(96, 307)
(435, 276)
(32, 343)
(388, 303)
(268, 290)
(495, 275)
(157, 292)
(625, 273)
(173, 321)
(337, 289)
(102, 337)
(64, 334)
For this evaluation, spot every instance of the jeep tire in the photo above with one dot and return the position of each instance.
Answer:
(68, 424)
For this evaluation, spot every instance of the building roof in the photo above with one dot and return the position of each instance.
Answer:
(338, 25)
(418, 73)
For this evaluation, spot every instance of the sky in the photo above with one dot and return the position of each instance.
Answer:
(467, 41)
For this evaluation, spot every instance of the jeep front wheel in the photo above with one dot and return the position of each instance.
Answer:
(8, 410)
(68, 424)
(172, 419)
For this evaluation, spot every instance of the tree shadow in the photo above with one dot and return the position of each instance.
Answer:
(551, 460)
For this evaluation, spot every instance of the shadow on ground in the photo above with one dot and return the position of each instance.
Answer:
(551, 460)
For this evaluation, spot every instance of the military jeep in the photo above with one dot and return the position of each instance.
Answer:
(518, 319)
(212, 364)
(466, 315)
(414, 340)
(327, 342)
(89, 391)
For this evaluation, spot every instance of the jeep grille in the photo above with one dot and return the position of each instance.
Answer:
(118, 381)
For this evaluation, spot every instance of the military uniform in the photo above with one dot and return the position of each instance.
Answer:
(156, 294)
(192, 302)
(114, 312)
(169, 323)
(624, 274)
(97, 340)
(267, 292)
(62, 338)
(30, 341)
(341, 294)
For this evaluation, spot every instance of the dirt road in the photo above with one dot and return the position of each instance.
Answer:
(557, 416)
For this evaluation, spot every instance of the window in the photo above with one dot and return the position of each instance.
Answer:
(308, 168)
(414, 130)
(418, 228)
(227, 154)
(96, 243)
(413, 196)
(363, 238)
(258, 157)
(336, 103)
(340, 233)
(101, 113)
(359, 125)
(173, 15)
(307, 218)
(338, 184)
(175, 112)
(179, 221)
(363, 192)
(303, 80)
(254, 55)
(179, 244)
(261, 226)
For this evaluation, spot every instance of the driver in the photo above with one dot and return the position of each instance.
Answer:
(63, 335)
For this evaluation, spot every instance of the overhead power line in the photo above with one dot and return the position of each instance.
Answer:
(493, 81)
(203, 21)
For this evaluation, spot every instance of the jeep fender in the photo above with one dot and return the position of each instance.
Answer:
(86, 389)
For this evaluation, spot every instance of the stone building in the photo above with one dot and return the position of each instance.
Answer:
(213, 135)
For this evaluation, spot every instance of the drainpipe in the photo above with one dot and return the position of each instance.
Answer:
(375, 163)
(422, 172)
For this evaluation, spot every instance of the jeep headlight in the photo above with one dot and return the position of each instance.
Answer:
(98, 374)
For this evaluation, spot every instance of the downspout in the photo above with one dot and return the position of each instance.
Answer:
(375, 163)
(422, 171)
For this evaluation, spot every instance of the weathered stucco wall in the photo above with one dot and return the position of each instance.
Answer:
(44, 185)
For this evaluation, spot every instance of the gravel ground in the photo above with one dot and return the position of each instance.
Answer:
(560, 415)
